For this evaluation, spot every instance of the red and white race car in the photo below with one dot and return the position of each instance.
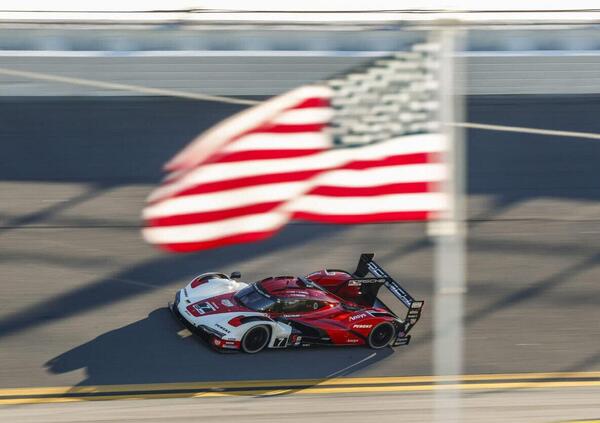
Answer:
(328, 307)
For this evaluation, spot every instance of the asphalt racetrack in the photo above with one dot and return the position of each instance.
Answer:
(83, 298)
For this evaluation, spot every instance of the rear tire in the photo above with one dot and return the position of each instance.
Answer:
(255, 339)
(382, 335)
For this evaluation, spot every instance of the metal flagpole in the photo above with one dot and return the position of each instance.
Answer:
(449, 234)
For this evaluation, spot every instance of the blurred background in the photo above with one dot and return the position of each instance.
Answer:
(84, 298)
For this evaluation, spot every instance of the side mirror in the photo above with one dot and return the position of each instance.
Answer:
(235, 275)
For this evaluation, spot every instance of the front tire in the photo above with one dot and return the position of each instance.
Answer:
(382, 335)
(255, 339)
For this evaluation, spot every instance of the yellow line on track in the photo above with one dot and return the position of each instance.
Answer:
(295, 382)
(300, 386)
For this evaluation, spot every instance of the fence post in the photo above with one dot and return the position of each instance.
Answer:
(449, 234)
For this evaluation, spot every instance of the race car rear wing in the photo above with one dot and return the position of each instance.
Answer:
(370, 286)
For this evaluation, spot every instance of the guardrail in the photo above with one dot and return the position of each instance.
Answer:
(303, 12)
(330, 41)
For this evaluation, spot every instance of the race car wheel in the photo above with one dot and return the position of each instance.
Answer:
(381, 335)
(255, 339)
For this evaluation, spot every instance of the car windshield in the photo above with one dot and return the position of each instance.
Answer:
(254, 300)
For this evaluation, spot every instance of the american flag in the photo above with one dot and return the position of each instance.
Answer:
(362, 147)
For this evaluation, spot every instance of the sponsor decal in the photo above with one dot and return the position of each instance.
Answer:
(227, 303)
(358, 317)
(362, 326)
(353, 340)
(224, 329)
(359, 282)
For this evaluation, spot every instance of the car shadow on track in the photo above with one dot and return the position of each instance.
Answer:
(151, 350)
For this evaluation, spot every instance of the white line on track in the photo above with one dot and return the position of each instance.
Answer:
(334, 374)
(123, 87)
(502, 128)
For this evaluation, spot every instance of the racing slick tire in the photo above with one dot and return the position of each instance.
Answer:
(255, 339)
(382, 335)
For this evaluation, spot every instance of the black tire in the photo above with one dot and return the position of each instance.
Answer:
(255, 339)
(382, 335)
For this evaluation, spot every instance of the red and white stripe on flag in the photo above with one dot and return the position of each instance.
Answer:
(248, 176)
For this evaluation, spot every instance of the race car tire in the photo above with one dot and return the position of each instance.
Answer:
(382, 335)
(255, 339)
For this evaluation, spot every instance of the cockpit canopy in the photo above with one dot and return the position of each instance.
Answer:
(285, 294)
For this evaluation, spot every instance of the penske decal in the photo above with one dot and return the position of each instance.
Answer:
(362, 326)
